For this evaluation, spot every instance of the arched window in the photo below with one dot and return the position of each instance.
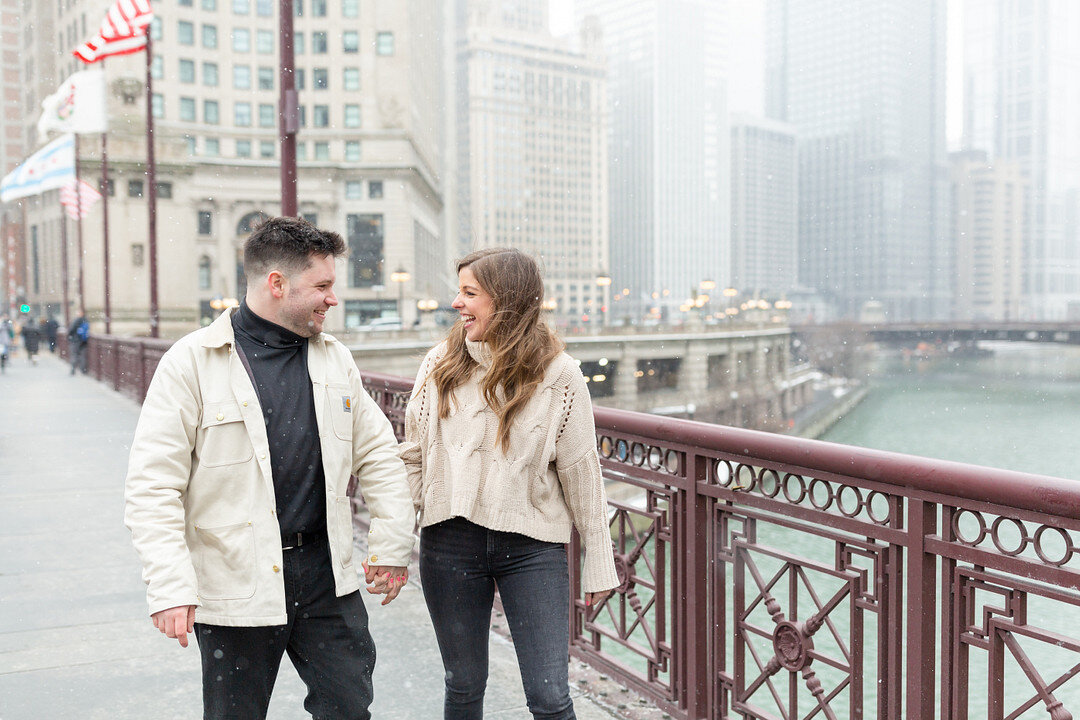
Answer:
(250, 221)
(204, 272)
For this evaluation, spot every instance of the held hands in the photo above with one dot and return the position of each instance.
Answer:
(593, 599)
(175, 622)
(385, 580)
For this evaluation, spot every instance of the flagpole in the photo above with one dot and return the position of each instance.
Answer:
(151, 178)
(105, 225)
(65, 280)
(290, 120)
(78, 225)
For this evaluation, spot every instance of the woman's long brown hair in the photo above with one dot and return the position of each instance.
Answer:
(522, 345)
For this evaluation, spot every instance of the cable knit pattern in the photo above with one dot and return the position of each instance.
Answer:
(548, 480)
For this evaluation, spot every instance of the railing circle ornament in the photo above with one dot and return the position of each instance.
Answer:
(997, 534)
(1067, 548)
(958, 529)
(622, 450)
(795, 498)
(671, 462)
(745, 478)
(849, 501)
(637, 454)
(821, 494)
(606, 447)
(722, 473)
(792, 645)
(877, 507)
(770, 483)
(656, 457)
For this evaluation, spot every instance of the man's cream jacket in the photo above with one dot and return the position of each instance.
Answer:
(200, 495)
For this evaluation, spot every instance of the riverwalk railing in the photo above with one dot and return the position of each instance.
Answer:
(765, 576)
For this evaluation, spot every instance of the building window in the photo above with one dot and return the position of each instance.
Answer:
(205, 222)
(264, 8)
(299, 46)
(351, 78)
(242, 114)
(185, 32)
(266, 78)
(243, 148)
(187, 109)
(157, 105)
(318, 43)
(155, 29)
(384, 43)
(185, 3)
(320, 78)
(209, 36)
(352, 116)
(364, 233)
(354, 190)
(350, 8)
(301, 78)
(210, 74)
(266, 149)
(138, 257)
(311, 217)
(110, 187)
(164, 190)
(322, 151)
(187, 71)
(204, 272)
(241, 77)
(375, 189)
(251, 221)
(135, 188)
(213, 147)
(157, 67)
(352, 151)
(350, 41)
(303, 115)
(301, 149)
(189, 143)
(210, 5)
(320, 116)
(318, 8)
(241, 7)
(298, 8)
(266, 115)
(264, 42)
(211, 112)
(241, 40)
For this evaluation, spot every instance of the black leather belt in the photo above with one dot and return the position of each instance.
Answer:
(291, 541)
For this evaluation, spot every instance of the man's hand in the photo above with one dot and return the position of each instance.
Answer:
(385, 580)
(595, 598)
(176, 622)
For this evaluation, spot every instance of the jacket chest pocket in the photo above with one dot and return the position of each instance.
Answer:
(224, 438)
(341, 404)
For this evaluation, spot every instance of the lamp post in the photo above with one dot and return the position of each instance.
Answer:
(401, 276)
(427, 306)
(729, 298)
(603, 281)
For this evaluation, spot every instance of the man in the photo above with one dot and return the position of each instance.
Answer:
(49, 326)
(236, 489)
(78, 338)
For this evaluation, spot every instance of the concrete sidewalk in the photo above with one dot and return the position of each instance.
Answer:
(75, 640)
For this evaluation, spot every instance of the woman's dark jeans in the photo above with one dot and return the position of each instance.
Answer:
(461, 564)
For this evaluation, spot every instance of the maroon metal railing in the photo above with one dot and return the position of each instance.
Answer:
(764, 576)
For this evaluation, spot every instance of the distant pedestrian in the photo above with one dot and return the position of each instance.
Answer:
(78, 338)
(50, 327)
(7, 340)
(31, 337)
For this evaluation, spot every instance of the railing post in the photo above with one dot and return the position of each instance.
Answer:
(920, 622)
(695, 572)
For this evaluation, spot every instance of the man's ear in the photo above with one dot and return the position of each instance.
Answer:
(277, 283)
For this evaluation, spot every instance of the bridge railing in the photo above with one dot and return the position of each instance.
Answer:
(765, 576)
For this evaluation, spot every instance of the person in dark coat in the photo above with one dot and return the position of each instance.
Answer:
(49, 326)
(31, 335)
(78, 338)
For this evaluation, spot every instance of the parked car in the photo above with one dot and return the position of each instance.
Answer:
(381, 324)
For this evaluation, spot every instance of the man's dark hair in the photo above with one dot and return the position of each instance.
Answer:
(286, 244)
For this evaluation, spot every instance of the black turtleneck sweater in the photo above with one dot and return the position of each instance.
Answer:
(277, 359)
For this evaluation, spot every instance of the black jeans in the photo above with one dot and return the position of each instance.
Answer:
(326, 637)
(461, 563)
(78, 357)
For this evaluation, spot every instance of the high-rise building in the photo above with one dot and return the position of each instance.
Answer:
(12, 243)
(764, 207)
(1022, 103)
(863, 83)
(669, 146)
(368, 147)
(532, 149)
(988, 231)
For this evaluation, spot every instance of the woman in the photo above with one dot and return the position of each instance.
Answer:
(501, 451)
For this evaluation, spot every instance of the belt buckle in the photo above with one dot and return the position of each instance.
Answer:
(298, 538)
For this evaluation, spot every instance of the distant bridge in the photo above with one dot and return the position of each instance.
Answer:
(1067, 333)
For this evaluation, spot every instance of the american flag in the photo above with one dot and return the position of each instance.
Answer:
(70, 199)
(122, 31)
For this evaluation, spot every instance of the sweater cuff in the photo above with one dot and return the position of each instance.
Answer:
(598, 573)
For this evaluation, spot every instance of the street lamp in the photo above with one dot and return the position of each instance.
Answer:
(401, 276)
(603, 281)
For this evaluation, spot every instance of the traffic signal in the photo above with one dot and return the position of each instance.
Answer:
(24, 308)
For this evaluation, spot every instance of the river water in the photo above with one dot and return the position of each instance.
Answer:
(1017, 408)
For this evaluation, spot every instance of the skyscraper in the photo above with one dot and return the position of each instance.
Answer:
(1022, 103)
(764, 206)
(532, 148)
(863, 83)
(369, 145)
(669, 146)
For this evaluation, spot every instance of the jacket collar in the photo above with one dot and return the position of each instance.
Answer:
(220, 332)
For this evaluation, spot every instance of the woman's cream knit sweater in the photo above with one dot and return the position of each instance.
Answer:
(548, 478)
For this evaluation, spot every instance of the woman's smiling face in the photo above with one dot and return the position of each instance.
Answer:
(474, 304)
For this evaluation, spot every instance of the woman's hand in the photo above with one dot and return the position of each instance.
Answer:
(385, 580)
(594, 599)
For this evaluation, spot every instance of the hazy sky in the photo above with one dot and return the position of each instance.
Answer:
(746, 19)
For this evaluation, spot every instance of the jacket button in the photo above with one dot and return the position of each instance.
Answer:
(245, 403)
(374, 558)
(221, 416)
(277, 569)
(262, 456)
